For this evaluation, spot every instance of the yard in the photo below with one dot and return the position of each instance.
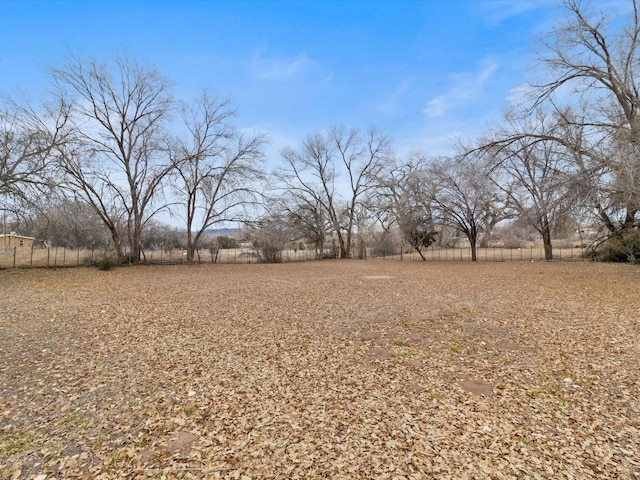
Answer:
(333, 369)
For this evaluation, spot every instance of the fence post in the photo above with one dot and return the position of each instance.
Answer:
(15, 250)
(64, 253)
(48, 256)
(31, 259)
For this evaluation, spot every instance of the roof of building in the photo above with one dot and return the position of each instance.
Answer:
(15, 235)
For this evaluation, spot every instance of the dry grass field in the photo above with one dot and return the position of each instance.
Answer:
(335, 369)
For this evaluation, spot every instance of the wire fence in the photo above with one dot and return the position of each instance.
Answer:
(58, 257)
(494, 254)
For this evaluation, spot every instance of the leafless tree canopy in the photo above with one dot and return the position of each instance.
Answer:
(537, 178)
(216, 168)
(116, 160)
(114, 138)
(27, 141)
(466, 198)
(574, 145)
(327, 165)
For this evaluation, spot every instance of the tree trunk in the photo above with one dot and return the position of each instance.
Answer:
(343, 249)
(629, 220)
(605, 218)
(190, 246)
(191, 253)
(137, 251)
(347, 246)
(546, 242)
(362, 249)
(135, 232)
(473, 243)
(117, 246)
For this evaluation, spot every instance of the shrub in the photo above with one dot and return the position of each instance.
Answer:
(624, 247)
(420, 236)
(382, 250)
(107, 259)
(513, 242)
(225, 241)
(333, 252)
(271, 252)
(107, 262)
(384, 246)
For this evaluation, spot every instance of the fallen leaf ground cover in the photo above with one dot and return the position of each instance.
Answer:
(336, 369)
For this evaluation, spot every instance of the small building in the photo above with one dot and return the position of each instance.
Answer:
(12, 240)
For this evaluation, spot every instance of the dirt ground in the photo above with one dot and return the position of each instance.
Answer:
(334, 369)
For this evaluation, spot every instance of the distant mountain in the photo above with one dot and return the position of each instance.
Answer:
(222, 232)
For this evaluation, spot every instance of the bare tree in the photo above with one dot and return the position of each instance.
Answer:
(70, 222)
(537, 176)
(158, 236)
(403, 195)
(308, 181)
(270, 235)
(28, 138)
(419, 233)
(363, 159)
(465, 198)
(327, 165)
(216, 168)
(587, 154)
(306, 218)
(363, 225)
(118, 163)
(594, 91)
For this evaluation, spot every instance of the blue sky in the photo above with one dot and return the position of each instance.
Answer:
(424, 72)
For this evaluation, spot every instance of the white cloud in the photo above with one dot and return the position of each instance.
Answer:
(280, 67)
(494, 12)
(392, 102)
(328, 79)
(464, 87)
(487, 72)
(278, 137)
(519, 95)
(437, 106)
